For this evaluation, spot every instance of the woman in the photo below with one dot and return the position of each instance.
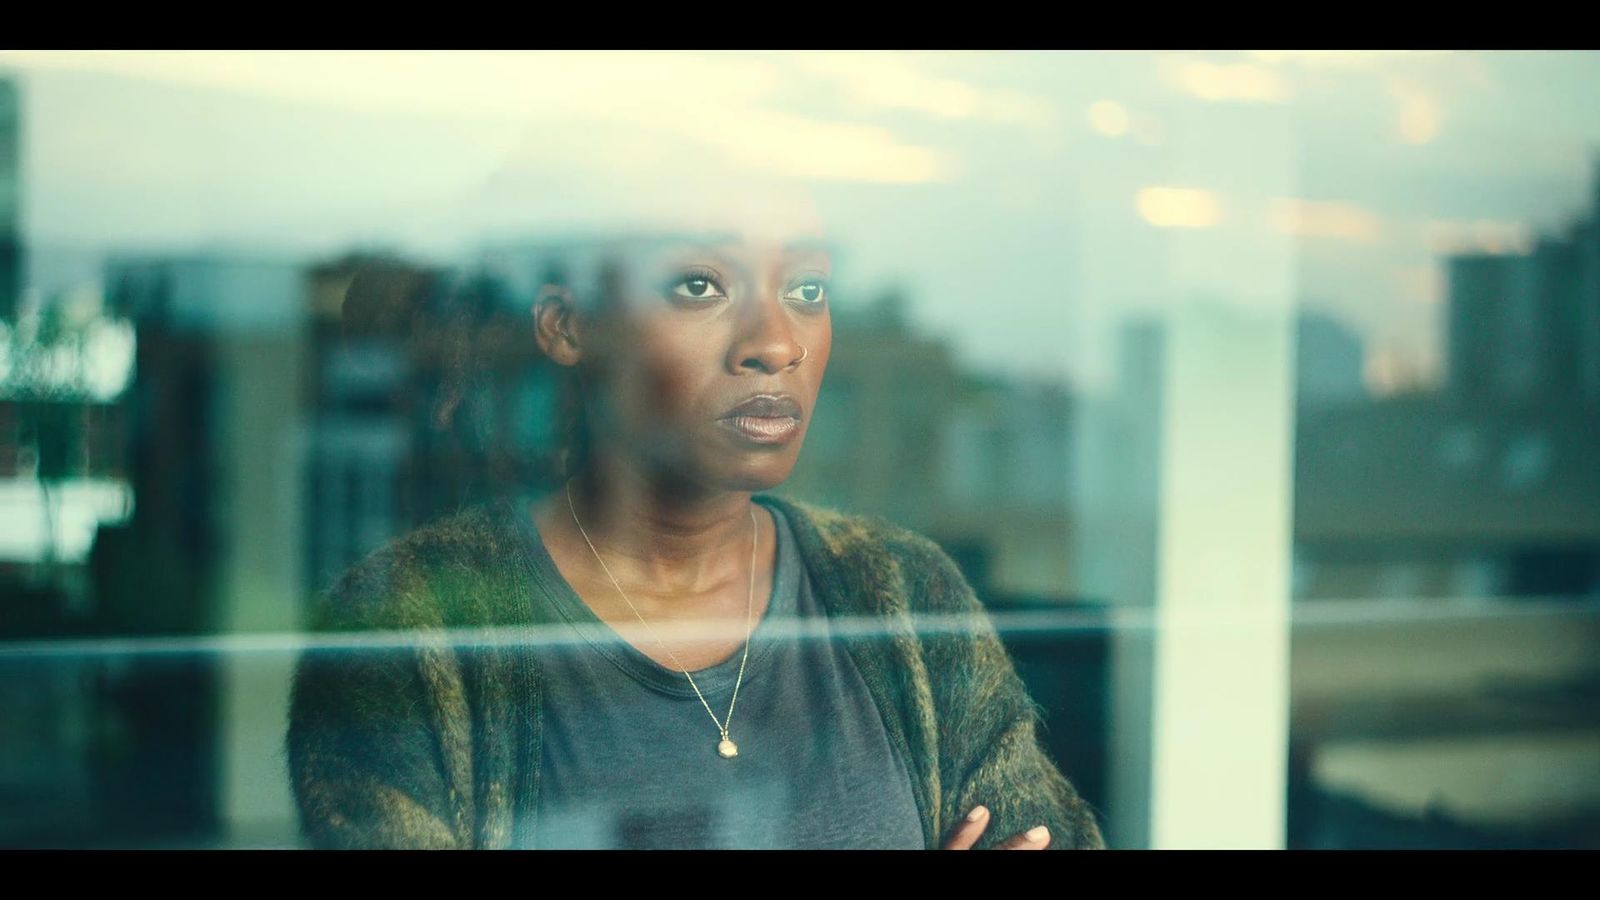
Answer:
(695, 663)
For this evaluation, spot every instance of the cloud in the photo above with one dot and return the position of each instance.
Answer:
(720, 102)
(1309, 218)
(1343, 59)
(1224, 81)
(1174, 207)
(878, 82)
(1418, 113)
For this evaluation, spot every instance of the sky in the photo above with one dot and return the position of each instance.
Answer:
(1027, 202)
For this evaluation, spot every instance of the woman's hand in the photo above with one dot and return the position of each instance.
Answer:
(978, 820)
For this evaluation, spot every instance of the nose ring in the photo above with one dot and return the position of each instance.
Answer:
(803, 352)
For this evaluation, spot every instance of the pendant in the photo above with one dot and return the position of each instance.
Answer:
(728, 749)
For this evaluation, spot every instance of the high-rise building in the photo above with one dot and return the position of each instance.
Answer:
(10, 198)
(1328, 361)
(1525, 327)
(215, 444)
(1588, 239)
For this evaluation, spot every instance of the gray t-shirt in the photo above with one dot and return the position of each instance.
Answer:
(630, 754)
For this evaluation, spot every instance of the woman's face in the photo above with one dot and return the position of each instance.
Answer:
(696, 324)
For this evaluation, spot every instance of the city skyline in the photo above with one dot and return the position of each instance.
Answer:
(994, 183)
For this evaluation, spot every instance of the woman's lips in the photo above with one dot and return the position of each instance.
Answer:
(762, 429)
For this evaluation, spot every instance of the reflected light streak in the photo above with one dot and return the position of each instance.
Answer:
(77, 509)
(1333, 613)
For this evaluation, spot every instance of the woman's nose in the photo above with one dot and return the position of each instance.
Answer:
(769, 341)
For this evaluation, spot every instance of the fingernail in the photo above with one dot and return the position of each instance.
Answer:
(1038, 834)
(977, 813)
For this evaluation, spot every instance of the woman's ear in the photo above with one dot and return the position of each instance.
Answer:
(555, 324)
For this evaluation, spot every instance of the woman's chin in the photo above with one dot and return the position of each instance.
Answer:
(763, 475)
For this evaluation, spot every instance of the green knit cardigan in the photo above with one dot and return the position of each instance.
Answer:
(414, 716)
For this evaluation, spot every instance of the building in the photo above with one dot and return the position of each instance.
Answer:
(212, 549)
(1420, 496)
(1525, 327)
(11, 260)
(1330, 359)
(427, 393)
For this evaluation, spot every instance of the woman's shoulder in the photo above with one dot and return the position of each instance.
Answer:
(872, 547)
(400, 583)
(845, 531)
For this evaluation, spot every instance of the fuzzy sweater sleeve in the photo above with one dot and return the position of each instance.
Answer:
(361, 746)
(988, 725)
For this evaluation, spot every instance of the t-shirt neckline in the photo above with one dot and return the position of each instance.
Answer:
(716, 681)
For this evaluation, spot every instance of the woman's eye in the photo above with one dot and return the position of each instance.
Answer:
(696, 287)
(811, 292)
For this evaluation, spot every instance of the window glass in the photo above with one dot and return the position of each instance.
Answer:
(1252, 397)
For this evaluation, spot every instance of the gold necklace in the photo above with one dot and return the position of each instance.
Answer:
(726, 746)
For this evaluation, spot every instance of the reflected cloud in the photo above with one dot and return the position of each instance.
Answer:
(1224, 81)
(1341, 59)
(722, 102)
(1325, 219)
(788, 144)
(499, 83)
(1108, 117)
(875, 82)
(1418, 114)
(1172, 207)
(1420, 284)
(1148, 129)
(1388, 371)
(1451, 236)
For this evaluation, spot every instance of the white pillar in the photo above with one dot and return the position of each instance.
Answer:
(1198, 566)
(1220, 682)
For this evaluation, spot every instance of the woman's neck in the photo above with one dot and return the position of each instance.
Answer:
(662, 538)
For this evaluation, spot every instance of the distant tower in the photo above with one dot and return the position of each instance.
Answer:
(1521, 327)
(10, 198)
(1329, 361)
(1588, 237)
